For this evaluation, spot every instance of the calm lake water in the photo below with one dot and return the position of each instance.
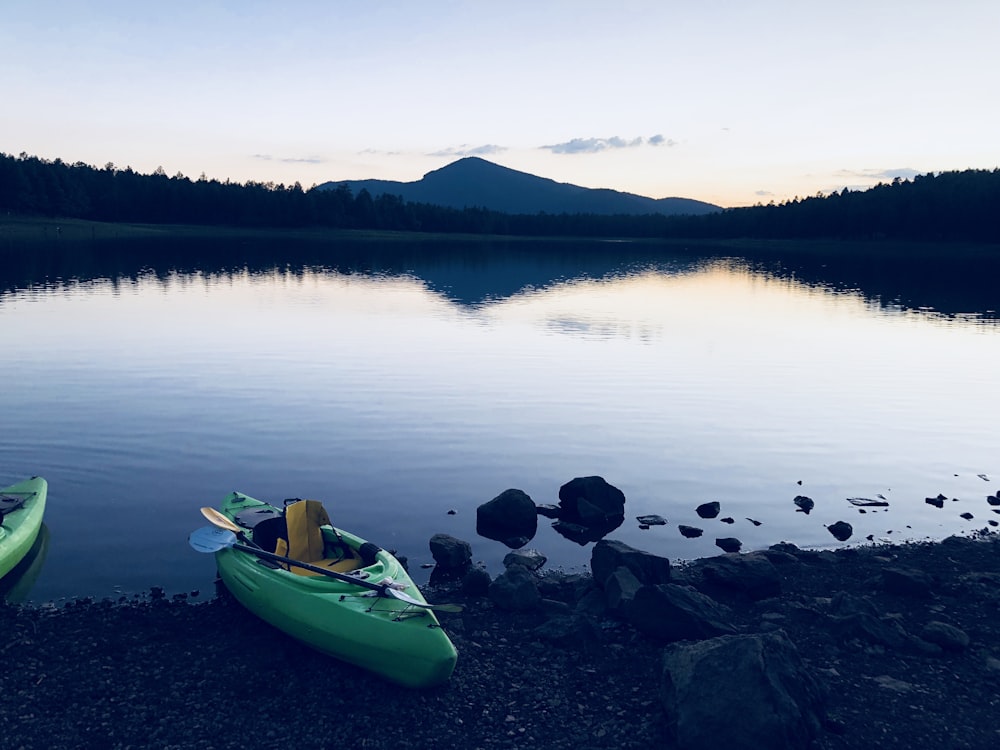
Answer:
(398, 382)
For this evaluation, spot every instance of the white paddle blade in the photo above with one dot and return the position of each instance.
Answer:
(211, 539)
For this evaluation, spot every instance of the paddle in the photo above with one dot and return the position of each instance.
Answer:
(208, 539)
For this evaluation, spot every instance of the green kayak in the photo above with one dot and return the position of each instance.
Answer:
(360, 623)
(22, 506)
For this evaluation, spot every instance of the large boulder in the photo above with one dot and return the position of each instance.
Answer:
(592, 502)
(510, 517)
(741, 692)
(669, 612)
(451, 555)
(608, 555)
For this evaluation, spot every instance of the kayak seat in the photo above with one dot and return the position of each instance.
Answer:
(298, 535)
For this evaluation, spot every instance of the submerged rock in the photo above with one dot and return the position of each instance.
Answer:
(510, 517)
(708, 510)
(592, 502)
(937, 502)
(805, 504)
(651, 520)
(842, 531)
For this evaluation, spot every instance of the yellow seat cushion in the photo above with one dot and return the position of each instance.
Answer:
(305, 539)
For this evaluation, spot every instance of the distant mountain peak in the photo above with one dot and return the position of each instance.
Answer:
(473, 182)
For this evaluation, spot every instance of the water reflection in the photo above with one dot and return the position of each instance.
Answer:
(15, 587)
(928, 279)
(396, 382)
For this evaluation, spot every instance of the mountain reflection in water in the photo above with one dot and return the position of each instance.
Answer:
(399, 380)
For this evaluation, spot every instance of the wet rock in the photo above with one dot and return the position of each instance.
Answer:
(728, 519)
(515, 589)
(842, 531)
(946, 636)
(591, 501)
(805, 504)
(531, 559)
(729, 544)
(690, 532)
(937, 502)
(449, 553)
(741, 692)
(867, 502)
(578, 533)
(966, 516)
(669, 612)
(994, 499)
(752, 575)
(651, 520)
(708, 510)
(755, 523)
(609, 555)
(510, 517)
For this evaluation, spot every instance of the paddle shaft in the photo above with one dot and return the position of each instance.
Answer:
(381, 588)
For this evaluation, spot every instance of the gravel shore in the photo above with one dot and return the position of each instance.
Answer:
(185, 673)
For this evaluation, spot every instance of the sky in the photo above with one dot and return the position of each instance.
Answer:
(726, 101)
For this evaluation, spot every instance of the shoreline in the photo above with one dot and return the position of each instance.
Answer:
(157, 671)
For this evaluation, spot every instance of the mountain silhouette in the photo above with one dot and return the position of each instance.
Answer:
(476, 183)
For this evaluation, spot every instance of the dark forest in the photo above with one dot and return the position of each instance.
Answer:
(948, 206)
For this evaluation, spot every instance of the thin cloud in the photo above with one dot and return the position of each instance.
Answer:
(904, 173)
(465, 150)
(596, 145)
(763, 193)
(290, 159)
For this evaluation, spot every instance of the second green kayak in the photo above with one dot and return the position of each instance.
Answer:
(22, 506)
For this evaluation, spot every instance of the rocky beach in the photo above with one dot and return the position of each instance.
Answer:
(880, 646)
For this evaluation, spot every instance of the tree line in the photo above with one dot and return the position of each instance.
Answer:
(952, 206)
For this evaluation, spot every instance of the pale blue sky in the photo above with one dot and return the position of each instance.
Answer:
(727, 101)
